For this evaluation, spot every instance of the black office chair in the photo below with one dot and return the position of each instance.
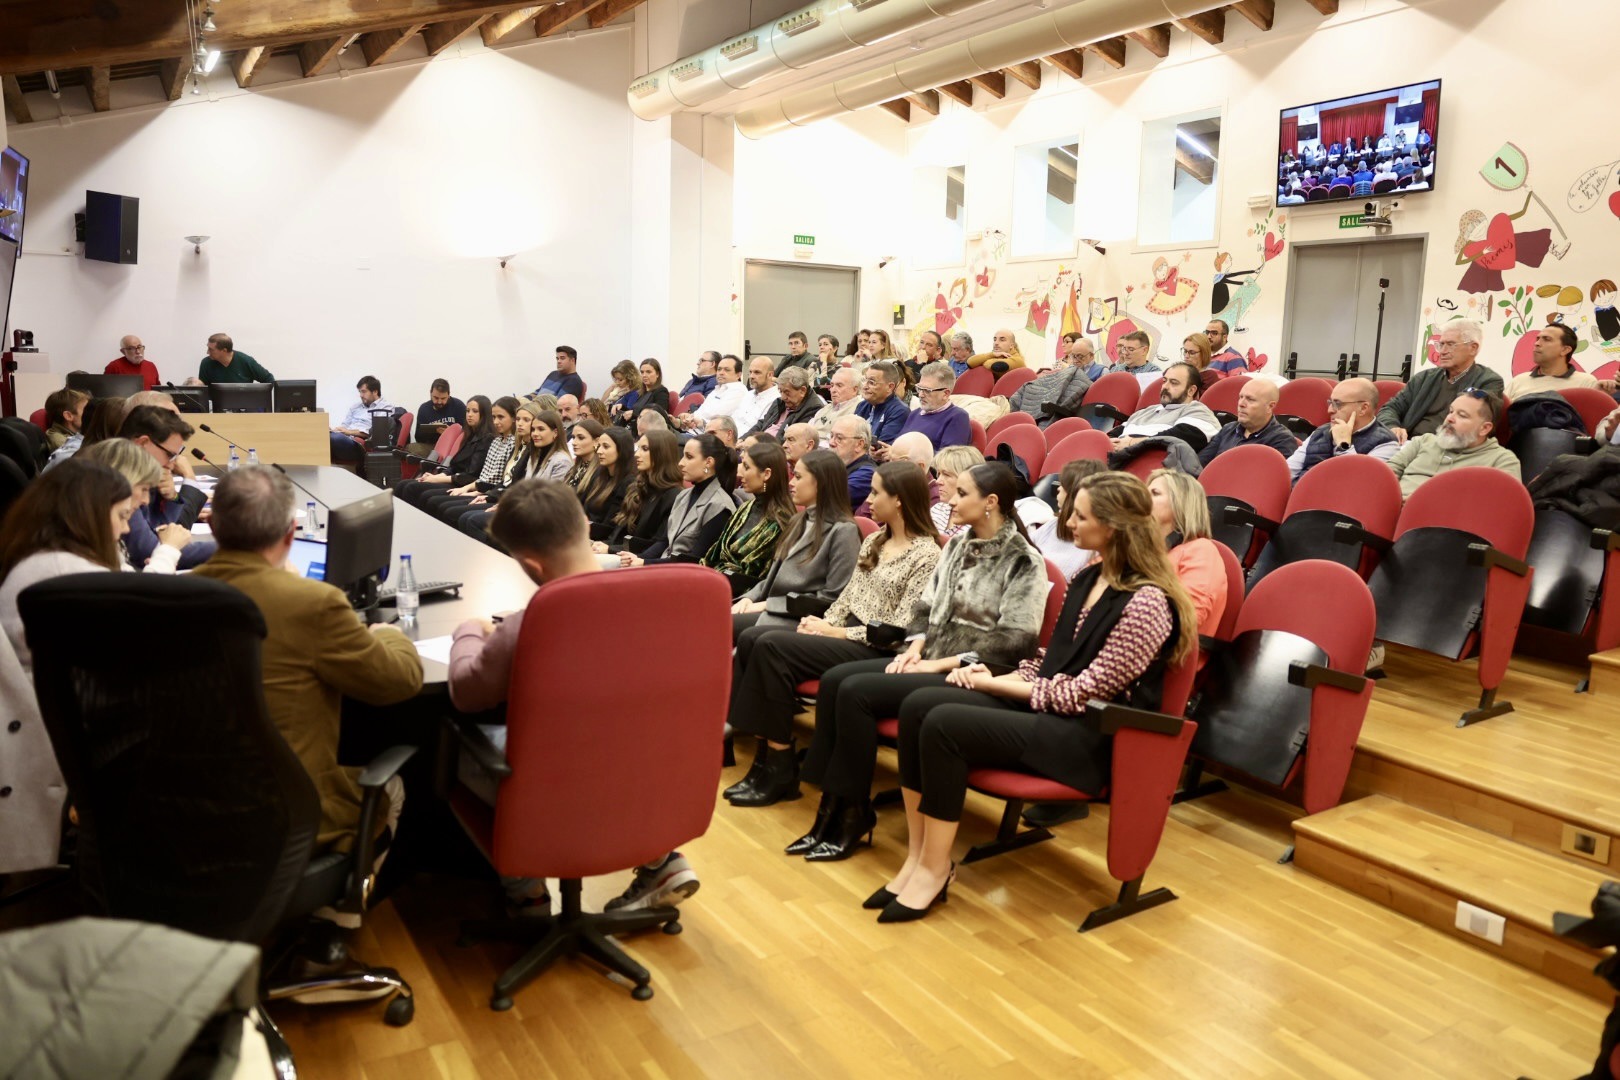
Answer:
(193, 811)
(12, 482)
(14, 446)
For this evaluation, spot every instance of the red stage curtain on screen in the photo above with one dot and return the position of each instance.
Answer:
(1290, 133)
(1362, 120)
(1431, 110)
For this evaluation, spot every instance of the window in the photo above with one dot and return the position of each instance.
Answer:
(940, 204)
(1044, 177)
(1180, 179)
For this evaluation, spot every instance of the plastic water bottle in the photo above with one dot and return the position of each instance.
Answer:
(311, 529)
(253, 456)
(235, 462)
(406, 598)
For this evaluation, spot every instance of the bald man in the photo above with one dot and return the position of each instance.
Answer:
(1352, 428)
(1004, 354)
(1256, 423)
(132, 361)
(798, 440)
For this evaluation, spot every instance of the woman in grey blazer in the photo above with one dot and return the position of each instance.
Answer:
(700, 512)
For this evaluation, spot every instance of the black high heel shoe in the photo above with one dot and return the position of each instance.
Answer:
(845, 832)
(898, 912)
(825, 810)
(878, 900)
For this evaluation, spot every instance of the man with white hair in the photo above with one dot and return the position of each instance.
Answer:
(843, 392)
(852, 442)
(944, 424)
(1425, 401)
(961, 350)
(1464, 440)
(798, 440)
(913, 446)
(795, 403)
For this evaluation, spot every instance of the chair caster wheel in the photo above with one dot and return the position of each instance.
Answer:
(642, 993)
(400, 1011)
(500, 1003)
(673, 927)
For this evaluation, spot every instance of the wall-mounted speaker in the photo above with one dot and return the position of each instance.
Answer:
(111, 227)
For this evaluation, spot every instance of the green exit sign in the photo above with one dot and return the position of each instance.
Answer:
(807, 241)
(1349, 221)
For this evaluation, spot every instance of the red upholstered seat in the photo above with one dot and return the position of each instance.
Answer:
(1010, 420)
(39, 419)
(1085, 443)
(1387, 389)
(1119, 390)
(1306, 399)
(888, 730)
(976, 382)
(1027, 786)
(1008, 384)
(866, 526)
(1145, 462)
(808, 688)
(1254, 479)
(1352, 488)
(1222, 397)
(444, 448)
(978, 437)
(1593, 405)
(1026, 441)
(1150, 395)
(1058, 430)
(688, 403)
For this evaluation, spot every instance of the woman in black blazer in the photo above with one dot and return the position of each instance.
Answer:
(654, 396)
(464, 465)
(644, 512)
(615, 472)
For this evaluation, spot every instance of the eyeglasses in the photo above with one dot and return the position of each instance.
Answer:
(1476, 393)
(1190, 352)
(1127, 348)
(1335, 405)
(933, 390)
(170, 454)
(133, 348)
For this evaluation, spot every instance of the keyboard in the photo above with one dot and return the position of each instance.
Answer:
(424, 589)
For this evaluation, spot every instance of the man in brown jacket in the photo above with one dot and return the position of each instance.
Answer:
(316, 652)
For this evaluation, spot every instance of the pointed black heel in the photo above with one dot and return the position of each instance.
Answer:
(897, 912)
(826, 810)
(845, 833)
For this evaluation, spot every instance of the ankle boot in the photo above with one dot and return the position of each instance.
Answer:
(829, 807)
(778, 781)
(755, 771)
(846, 832)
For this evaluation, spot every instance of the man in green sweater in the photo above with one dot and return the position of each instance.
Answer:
(1464, 440)
(224, 364)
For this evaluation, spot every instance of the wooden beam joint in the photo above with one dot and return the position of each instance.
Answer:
(1260, 12)
(1112, 50)
(959, 91)
(900, 107)
(1028, 73)
(1155, 39)
(1072, 62)
(382, 44)
(1210, 25)
(993, 83)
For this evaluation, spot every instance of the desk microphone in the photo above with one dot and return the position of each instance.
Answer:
(301, 487)
(221, 438)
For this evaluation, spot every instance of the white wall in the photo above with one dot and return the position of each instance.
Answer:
(356, 223)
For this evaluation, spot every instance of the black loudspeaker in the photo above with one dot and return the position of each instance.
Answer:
(111, 227)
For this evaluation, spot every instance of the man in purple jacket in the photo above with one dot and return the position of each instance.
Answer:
(944, 424)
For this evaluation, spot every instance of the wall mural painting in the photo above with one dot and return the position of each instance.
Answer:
(1592, 185)
(1235, 291)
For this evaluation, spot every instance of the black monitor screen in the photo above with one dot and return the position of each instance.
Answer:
(1354, 147)
(13, 194)
(188, 399)
(240, 397)
(360, 539)
(295, 395)
(106, 385)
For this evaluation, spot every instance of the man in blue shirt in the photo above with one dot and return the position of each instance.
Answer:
(703, 379)
(1362, 175)
(565, 380)
(350, 433)
(881, 408)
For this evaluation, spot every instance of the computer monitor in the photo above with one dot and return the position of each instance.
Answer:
(106, 385)
(308, 557)
(360, 545)
(295, 395)
(188, 399)
(240, 397)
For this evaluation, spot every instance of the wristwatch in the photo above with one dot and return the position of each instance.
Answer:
(1342, 447)
(968, 659)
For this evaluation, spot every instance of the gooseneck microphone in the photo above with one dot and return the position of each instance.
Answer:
(221, 438)
(301, 487)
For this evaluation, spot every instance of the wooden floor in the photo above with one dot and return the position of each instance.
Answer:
(1258, 970)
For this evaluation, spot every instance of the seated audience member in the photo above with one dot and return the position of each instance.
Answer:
(1054, 539)
(912, 446)
(433, 416)
(1134, 350)
(1179, 414)
(565, 378)
(349, 434)
(452, 511)
(704, 375)
(879, 347)
(64, 409)
(1256, 423)
(582, 445)
(68, 521)
(843, 396)
(1182, 511)
(610, 482)
(132, 361)
(1004, 354)
(748, 543)
(1352, 428)
(224, 364)
(927, 348)
(541, 525)
(797, 441)
(795, 403)
(880, 406)
(498, 450)
(826, 361)
(1058, 392)
(723, 428)
(464, 465)
(651, 420)
(101, 419)
(1554, 354)
(1423, 402)
(162, 435)
(947, 465)
(316, 653)
(798, 354)
(545, 457)
(944, 424)
(960, 345)
(136, 466)
(984, 602)
(760, 397)
(700, 511)
(653, 396)
(729, 391)
(568, 408)
(1608, 429)
(622, 395)
(891, 570)
(1195, 350)
(643, 515)
(596, 409)
(816, 554)
(851, 440)
(1124, 618)
(1362, 175)
(1463, 441)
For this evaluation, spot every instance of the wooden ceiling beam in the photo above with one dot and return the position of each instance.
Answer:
(611, 10)
(1155, 39)
(1072, 63)
(1326, 7)
(16, 101)
(440, 36)
(1112, 50)
(959, 91)
(926, 100)
(900, 107)
(555, 19)
(1028, 73)
(993, 83)
(313, 56)
(1210, 25)
(247, 64)
(505, 22)
(379, 45)
(40, 34)
(99, 87)
(176, 70)
(1260, 12)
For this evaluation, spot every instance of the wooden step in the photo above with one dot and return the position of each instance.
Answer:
(1606, 675)
(1420, 864)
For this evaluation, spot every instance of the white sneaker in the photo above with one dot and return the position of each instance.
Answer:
(664, 884)
(1375, 659)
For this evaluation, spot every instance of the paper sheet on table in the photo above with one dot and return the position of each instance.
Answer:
(435, 648)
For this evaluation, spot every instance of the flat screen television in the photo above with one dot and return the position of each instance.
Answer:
(105, 385)
(295, 395)
(13, 194)
(188, 399)
(1358, 147)
(239, 397)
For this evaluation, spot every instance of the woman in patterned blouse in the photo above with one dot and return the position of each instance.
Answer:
(893, 567)
(1124, 617)
(745, 550)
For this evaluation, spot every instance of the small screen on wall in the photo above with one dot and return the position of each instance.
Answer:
(1359, 146)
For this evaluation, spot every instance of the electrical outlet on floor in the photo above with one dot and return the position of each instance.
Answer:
(1480, 923)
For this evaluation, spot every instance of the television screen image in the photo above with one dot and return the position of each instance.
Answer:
(1358, 147)
(8, 268)
(13, 194)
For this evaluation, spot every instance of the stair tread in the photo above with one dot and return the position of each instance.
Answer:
(1511, 879)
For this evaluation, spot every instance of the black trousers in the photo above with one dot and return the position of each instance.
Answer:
(946, 731)
(853, 698)
(475, 521)
(448, 508)
(415, 491)
(769, 665)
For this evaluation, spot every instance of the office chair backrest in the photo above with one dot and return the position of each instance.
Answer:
(16, 447)
(193, 811)
(12, 482)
